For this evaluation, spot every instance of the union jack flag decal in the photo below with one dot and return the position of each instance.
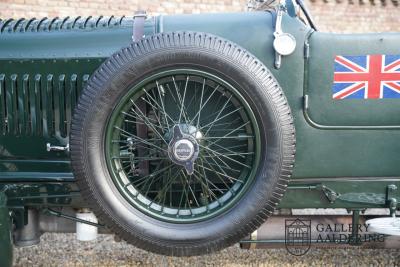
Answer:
(366, 77)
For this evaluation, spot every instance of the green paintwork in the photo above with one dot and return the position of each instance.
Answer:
(53, 60)
(325, 111)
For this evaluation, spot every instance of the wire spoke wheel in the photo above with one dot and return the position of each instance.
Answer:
(182, 145)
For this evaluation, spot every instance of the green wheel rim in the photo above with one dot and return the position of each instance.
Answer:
(150, 169)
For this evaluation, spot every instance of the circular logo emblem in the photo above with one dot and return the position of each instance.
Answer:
(183, 150)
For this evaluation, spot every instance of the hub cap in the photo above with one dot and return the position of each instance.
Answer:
(183, 149)
(182, 146)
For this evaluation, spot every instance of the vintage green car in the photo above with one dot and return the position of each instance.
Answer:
(184, 133)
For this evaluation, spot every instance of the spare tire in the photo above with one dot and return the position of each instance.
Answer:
(182, 143)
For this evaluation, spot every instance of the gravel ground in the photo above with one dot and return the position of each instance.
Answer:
(64, 250)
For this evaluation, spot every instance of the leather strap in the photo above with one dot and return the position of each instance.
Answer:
(138, 25)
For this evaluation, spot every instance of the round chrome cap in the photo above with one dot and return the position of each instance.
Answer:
(183, 150)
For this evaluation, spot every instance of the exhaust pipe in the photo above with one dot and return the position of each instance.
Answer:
(319, 231)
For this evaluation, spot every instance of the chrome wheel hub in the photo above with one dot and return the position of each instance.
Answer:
(183, 149)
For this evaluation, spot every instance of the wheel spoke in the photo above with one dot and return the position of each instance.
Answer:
(226, 124)
(155, 109)
(220, 118)
(153, 178)
(154, 174)
(227, 157)
(178, 115)
(141, 123)
(201, 103)
(205, 185)
(185, 192)
(165, 188)
(151, 125)
(216, 118)
(216, 164)
(232, 153)
(162, 103)
(211, 183)
(202, 106)
(183, 100)
(231, 132)
(190, 188)
(126, 141)
(240, 136)
(178, 103)
(219, 173)
(129, 135)
(138, 159)
(219, 165)
(161, 109)
(137, 118)
(213, 156)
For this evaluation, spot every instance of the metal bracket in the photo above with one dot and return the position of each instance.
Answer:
(391, 191)
(284, 43)
(329, 193)
(306, 50)
(138, 25)
(355, 222)
(306, 102)
(49, 148)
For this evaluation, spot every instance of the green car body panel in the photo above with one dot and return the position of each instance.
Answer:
(347, 151)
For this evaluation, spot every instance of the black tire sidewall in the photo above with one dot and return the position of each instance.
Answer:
(129, 222)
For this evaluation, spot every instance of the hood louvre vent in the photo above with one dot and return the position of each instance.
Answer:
(62, 24)
(40, 105)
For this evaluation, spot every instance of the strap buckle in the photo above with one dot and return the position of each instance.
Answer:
(138, 25)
